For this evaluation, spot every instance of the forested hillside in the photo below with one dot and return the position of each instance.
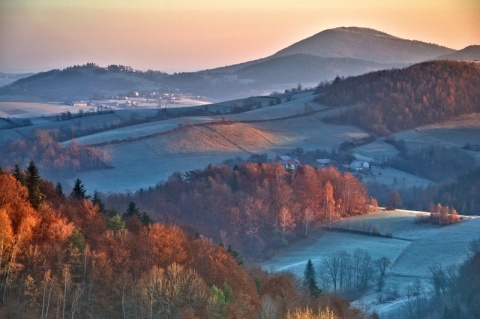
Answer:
(254, 208)
(400, 99)
(65, 259)
(464, 193)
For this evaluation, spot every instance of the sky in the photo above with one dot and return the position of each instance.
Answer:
(191, 35)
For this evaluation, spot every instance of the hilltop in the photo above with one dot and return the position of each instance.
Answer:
(471, 52)
(365, 44)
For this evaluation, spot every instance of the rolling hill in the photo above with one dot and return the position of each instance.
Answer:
(471, 52)
(401, 99)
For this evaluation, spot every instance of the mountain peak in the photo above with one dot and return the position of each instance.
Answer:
(365, 44)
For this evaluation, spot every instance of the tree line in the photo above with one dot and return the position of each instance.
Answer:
(43, 147)
(63, 258)
(255, 208)
(399, 99)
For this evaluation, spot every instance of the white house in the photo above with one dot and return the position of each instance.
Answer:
(359, 165)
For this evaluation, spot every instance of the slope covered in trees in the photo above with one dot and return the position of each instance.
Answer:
(255, 208)
(400, 99)
(65, 259)
(464, 193)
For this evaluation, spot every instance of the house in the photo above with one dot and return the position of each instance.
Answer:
(324, 162)
(359, 165)
(289, 163)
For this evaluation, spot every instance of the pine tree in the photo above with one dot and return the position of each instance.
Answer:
(131, 211)
(310, 279)
(78, 191)
(59, 190)
(96, 200)
(145, 219)
(33, 180)
(19, 175)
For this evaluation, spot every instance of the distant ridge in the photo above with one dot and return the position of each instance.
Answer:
(344, 51)
(365, 44)
(471, 53)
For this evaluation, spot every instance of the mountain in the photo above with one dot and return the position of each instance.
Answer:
(365, 44)
(471, 52)
(305, 68)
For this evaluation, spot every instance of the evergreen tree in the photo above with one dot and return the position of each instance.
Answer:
(96, 200)
(116, 224)
(78, 191)
(19, 175)
(235, 184)
(59, 190)
(131, 211)
(236, 255)
(33, 180)
(310, 279)
(145, 219)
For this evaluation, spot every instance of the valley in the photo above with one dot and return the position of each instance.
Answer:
(259, 166)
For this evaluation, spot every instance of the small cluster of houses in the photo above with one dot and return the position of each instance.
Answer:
(291, 164)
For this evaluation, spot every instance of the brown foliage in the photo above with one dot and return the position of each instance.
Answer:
(399, 99)
(255, 207)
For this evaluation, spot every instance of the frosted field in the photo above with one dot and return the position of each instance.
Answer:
(295, 258)
(135, 167)
(31, 109)
(413, 249)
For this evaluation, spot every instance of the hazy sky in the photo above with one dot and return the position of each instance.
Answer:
(190, 35)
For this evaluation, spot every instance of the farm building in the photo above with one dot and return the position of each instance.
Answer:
(359, 165)
(289, 163)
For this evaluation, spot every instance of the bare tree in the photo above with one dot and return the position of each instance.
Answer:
(382, 264)
(332, 265)
(168, 291)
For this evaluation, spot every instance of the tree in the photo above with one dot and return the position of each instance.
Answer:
(310, 279)
(131, 211)
(382, 263)
(332, 264)
(329, 201)
(285, 222)
(78, 191)
(59, 190)
(168, 291)
(394, 201)
(33, 179)
(116, 224)
(96, 200)
(19, 175)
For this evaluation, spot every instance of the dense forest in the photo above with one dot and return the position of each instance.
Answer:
(436, 163)
(254, 208)
(60, 257)
(400, 99)
(464, 193)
